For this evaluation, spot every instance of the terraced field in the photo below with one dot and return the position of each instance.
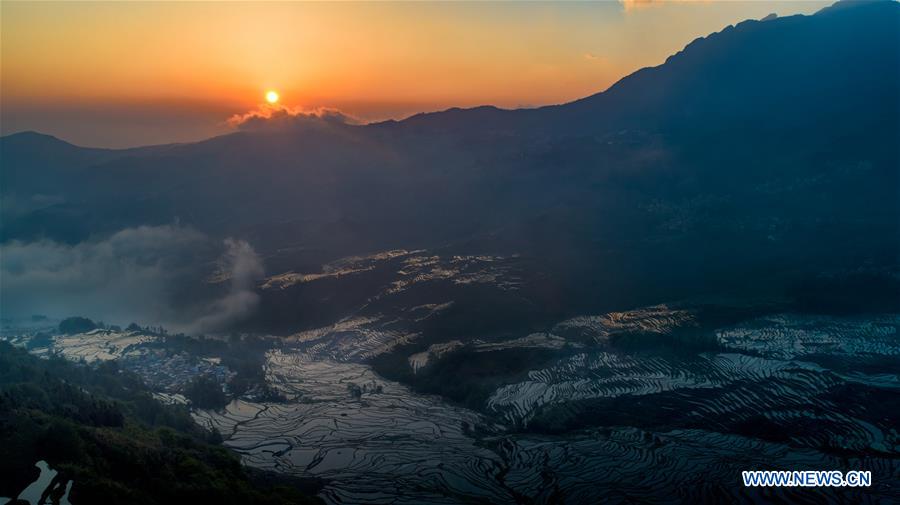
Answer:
(629, 424)
(445, 379)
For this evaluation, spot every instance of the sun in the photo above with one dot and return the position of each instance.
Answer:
(272, 96)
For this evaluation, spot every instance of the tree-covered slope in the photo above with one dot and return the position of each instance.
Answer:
(101, 428)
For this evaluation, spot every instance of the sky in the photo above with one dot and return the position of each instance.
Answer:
(120, 74)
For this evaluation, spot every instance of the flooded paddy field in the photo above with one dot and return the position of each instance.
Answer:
(442, 379)
(597, 421)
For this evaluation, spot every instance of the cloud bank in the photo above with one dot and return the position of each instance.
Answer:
(149, 274)
(243, 268)
(277, 117)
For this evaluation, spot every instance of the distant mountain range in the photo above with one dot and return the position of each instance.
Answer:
(767, 151)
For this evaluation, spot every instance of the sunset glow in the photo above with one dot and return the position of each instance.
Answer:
(198, 63)
(272, 96)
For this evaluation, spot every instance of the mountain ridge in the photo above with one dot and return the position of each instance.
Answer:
(486, 116)
(777, 137)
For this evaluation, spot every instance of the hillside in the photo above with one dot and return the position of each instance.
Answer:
(757, 156)
(102, 429)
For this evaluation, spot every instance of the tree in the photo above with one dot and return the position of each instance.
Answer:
(206, 393)
(73, 325)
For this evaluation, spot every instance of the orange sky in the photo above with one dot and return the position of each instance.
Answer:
(129, 73)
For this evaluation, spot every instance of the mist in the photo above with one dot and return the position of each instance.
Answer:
(170, 275)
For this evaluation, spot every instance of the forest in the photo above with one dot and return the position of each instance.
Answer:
(100, 427)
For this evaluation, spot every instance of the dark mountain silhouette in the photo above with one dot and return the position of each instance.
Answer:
(767, 150)
(34, 162)
(798, 70)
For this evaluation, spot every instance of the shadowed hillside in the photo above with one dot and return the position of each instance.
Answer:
(761, 154)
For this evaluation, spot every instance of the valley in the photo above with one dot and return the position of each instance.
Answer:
(370, 403)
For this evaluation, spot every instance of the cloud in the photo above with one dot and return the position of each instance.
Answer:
(633, 5)
(149, 274)
(595, 58)
(244, 269)
(278, 117)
